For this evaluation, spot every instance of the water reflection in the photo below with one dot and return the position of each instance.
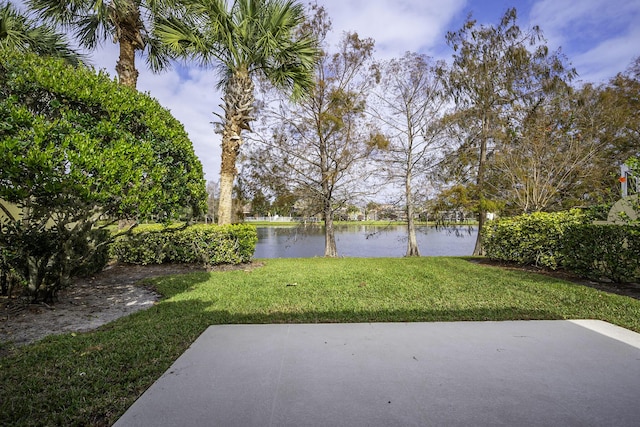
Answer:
(361, 241)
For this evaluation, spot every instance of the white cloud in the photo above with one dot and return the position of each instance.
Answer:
(396, 26)
(599, 37)
(608, 58)
(566, 20)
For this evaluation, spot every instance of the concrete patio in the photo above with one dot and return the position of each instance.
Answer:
(517, 373)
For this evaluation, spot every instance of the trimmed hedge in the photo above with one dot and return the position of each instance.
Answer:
(568, 240)
(597, 251)
(201, 244)
(535, 239)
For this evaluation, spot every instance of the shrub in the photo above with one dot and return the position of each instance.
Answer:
(568, 240)
(603, 251)
(204, 244)
(76, 147)
(535, 239)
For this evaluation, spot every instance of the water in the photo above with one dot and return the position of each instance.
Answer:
(364, 241)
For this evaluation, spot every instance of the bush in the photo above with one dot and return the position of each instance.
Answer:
(203, 244)
(532, 239)
(46, 259)
(603, 251)
(76, 147)
(568, 240)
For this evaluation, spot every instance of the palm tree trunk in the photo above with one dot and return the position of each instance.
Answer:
(126, 65)
(238, 107)
(226, 190)
(130, 39)
(230, 148)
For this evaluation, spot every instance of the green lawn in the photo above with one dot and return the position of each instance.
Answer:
(92, 378)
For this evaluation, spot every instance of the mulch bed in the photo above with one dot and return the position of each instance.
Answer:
(627, 289)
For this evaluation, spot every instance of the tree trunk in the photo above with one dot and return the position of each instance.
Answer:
(330, 248)
(126, 65)
(225, 202)
(4, 287)
(412, 245)
(231, 142)
(129, 29)
(35, 276)
(238, 106)
(478, 250)
(412, 242)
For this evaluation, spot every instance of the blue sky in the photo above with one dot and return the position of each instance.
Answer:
(599, 37)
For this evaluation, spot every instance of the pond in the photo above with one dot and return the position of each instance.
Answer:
(364, 241)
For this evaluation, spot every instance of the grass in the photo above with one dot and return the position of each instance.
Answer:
(92, 378)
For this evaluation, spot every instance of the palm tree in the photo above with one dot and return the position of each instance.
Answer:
(19, 32)
(243, 40)
(94, 21)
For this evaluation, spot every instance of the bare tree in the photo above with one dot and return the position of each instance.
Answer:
(408, 105)
(319, 146)
(546, 158)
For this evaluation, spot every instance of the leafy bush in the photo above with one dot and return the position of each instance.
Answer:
(603, 251)
(535, 239)
(568, 240)
(76, 147)
(204, 244)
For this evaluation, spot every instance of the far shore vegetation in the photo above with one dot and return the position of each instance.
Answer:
(379, 223)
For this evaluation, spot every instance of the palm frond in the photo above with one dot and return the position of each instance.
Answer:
(54, 11)
(260, 36)
(90, 31)
(158, 56)
(179, 38)
(19, 32)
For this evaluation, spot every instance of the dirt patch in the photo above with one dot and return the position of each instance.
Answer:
(89, 303)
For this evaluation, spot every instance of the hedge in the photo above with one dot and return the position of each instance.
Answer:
(567, 240)
(533, 239)
(202, 244)
(603, 251)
